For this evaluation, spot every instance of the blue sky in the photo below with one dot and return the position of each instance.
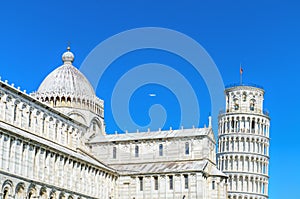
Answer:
(262, 35)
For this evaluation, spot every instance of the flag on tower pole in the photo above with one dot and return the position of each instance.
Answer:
(241, 74)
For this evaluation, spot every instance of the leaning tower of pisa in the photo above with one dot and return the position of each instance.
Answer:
(243, 142)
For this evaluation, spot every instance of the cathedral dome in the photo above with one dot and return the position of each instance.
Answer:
(67, 80)
(67, 89)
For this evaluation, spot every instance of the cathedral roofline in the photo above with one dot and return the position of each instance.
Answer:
(37, 102)
(160, 134)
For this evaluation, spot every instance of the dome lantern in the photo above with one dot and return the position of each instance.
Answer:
(68, 57)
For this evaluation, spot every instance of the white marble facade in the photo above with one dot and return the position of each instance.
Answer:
(163, 164)
(53, 144)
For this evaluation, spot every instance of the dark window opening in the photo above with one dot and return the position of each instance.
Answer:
(186, 181)
(155, 183)
(141, 183)
(136, 151)
(114, 152)
(187, 148)
(171, 182)
(161, 148)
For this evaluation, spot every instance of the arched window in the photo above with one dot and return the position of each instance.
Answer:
(161, 150)
(252, 104)
(187, 148)
(5, 194)
(20, 191)
(69, 100)
(236, 104)
(253, 126)
(56, 102)
(232, 124)
(63, 100)
(244, 96)
(136, 150)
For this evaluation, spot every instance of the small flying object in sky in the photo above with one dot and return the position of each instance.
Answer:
(152, 94)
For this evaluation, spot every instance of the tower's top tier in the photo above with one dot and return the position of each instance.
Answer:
(244, 99)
